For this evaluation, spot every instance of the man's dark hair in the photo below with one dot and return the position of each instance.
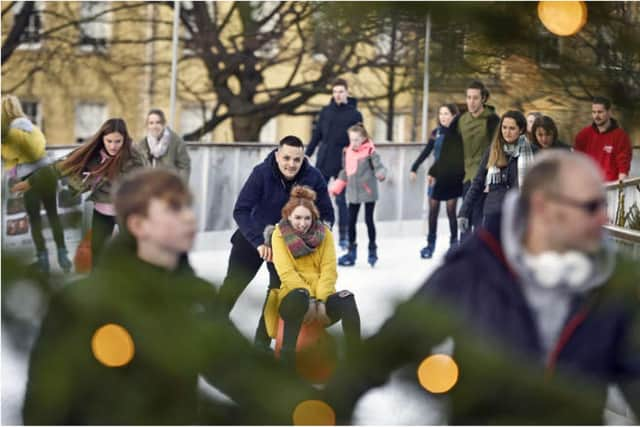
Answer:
(340, 82)
(484, 92)
(291, 140)
(546, 123)
(601, 100)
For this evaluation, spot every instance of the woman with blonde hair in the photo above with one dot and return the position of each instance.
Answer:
(305, 259)
(23, 153)
(164, 148)
(94, 167)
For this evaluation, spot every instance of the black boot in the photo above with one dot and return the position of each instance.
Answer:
(63, 260)
(373, 255)
(349, 259)
(42, 263)
(427, 251)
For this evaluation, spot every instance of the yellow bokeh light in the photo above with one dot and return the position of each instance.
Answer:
(112, 345)
(313, 412)
(438, 373)
(563, 18)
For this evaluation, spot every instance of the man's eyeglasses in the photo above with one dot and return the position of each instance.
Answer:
(590, 207)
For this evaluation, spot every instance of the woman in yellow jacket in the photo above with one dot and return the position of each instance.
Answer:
(305, 259)
(23, 153)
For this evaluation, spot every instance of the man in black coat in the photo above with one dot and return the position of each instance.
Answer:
(259, 204)
(330, 133)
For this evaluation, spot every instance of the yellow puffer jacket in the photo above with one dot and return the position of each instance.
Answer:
(22, 146)
(316, 272)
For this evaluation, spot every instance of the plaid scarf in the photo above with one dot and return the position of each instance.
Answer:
(523, 152)
(301, 244)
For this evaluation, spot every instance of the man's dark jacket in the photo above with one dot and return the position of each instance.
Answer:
(177, 334)
(476, 298)
(331, 133)
(266, 191)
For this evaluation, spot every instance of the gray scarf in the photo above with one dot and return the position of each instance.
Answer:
(158, 147)
(523, 151)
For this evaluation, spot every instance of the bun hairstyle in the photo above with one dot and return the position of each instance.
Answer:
(301, 196)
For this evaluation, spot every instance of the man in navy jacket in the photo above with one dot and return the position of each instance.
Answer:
(259, 204)
(330, 133)
(539, 284)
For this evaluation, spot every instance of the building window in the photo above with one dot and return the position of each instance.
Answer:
(95, 32)
(30, 37)
(547, 50)
(269, 132)
(32, 111)
(89, 117)
(188, 50)
(261, 10)
(451, 41)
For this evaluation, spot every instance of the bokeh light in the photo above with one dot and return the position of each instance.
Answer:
(563, 18)
(112, 345)
(438, 373)
(313, 412)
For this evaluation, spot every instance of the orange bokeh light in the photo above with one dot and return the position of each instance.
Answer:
(112, 345)
(438, 373)
(313, 412)
(563, 18)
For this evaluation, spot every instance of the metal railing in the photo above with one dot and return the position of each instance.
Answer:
(624, 215)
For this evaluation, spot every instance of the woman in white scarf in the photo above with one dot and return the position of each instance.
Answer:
(503, 166)
(163, 147)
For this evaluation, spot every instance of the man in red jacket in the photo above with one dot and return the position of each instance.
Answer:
(605, 141)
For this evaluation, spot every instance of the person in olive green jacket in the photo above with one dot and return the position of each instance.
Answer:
(305, 259)
(162, 147)
(23, 153)
(94, 167)
(477, 127)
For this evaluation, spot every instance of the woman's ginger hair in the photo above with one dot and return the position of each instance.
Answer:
(359, 128)
(301, 196)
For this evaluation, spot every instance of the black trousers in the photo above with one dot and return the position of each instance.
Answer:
(102, 228)
(476, 211)
(354, 209)
(343, 214)
(44, 185)
(340, 306)
(244, 263)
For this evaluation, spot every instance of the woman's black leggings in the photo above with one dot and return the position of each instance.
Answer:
(340, 306)
(354, 209)
(44, 185)
(434, 210)
(102, 228)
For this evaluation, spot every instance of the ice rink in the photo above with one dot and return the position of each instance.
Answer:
(399, 272)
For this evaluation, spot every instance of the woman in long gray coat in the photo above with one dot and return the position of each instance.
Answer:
(360, 175)
(162, 147)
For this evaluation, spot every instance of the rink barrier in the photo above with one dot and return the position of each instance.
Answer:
(218, 171)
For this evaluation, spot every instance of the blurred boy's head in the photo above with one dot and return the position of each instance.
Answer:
(154, 206)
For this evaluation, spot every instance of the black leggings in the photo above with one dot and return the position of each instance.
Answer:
(434, 210)
(102, 228)
(354, 209)
(244, 263)
(340, 306)
(43, 191)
